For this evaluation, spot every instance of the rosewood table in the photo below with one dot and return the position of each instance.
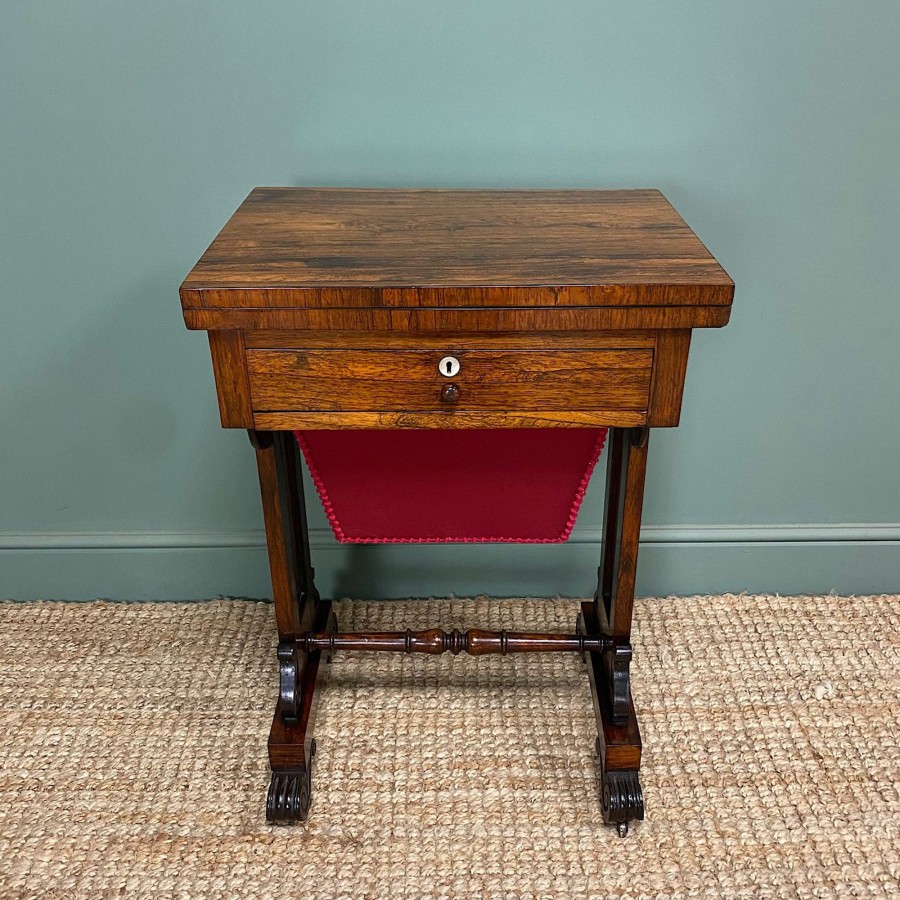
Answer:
(414, 310)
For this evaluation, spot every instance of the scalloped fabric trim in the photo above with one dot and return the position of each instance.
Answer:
(339, 533)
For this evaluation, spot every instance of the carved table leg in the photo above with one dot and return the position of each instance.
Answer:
(619, 739)
(298, 608)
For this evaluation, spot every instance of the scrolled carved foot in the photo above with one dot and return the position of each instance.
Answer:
(623, 799)
(289, 797)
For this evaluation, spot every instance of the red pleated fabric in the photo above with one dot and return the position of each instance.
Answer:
(467, 485)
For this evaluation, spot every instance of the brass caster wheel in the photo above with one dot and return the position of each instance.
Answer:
(622, 829)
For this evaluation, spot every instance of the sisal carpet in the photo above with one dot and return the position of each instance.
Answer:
(133, 761)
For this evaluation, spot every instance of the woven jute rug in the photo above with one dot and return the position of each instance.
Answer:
(133, 760)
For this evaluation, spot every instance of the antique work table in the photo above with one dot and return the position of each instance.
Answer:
(332, 309)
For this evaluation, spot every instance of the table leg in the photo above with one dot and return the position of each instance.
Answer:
(619, 739)
(298, 608)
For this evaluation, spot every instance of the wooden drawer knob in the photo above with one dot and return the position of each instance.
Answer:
(450, 393)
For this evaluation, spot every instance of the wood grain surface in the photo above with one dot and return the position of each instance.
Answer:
(409, 380)
(354, 282)
(337, 248)
(444, 321)
(459, 340)
(451, 417)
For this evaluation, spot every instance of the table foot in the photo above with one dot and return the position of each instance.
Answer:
(622, 799)
(618, 745)
(289, 797)
(292, 746)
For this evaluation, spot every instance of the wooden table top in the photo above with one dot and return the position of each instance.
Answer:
(339, 248)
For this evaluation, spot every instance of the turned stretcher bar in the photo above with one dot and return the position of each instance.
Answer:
(434, 641)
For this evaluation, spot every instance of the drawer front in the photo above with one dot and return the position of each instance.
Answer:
(410, 380)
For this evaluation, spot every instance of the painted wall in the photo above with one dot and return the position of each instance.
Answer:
(130, 132)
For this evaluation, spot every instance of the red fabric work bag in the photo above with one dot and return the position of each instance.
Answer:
(521, 485)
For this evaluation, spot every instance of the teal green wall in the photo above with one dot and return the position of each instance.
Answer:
(130, 131)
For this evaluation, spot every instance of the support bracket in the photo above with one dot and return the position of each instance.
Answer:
(618, 668)
(290, 700)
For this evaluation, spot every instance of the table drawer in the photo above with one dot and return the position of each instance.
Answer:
(410, 380)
